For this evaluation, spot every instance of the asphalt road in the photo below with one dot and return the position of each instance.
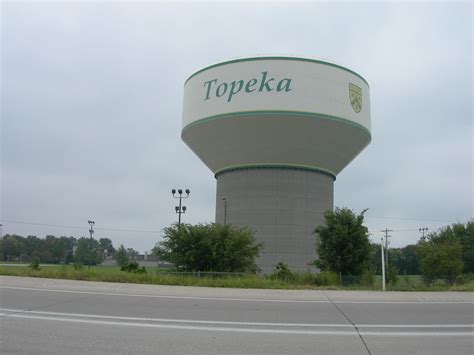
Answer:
(44, 316)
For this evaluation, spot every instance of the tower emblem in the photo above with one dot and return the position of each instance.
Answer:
(355, 97)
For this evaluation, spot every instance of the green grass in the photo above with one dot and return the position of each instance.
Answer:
(153, 276)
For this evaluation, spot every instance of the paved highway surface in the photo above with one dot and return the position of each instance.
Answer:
(45, 316)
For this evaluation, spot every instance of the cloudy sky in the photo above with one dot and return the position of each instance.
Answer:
(92, 101)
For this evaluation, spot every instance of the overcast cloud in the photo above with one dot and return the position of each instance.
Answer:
(92, 99)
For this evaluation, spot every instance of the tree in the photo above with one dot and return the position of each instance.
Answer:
(440, 259)
(409, 262)
(33, 243)
(209, 247)
(464, 233)
(106, 244)
(68, 244)
(11, 246)
(132, 253)
(88, 251)
(343, 243)
(375, 259)
(121, 256)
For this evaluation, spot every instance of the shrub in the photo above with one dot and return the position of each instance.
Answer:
(133, 267)
(392, 276)
(282, 272)
(367, 278)
(327, 278)
(407, 280)
(342, 242)
(464, 278)
(440, 259)
(209, 247)
(35, 262)
(121, 256)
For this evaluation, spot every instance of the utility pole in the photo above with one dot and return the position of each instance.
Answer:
(180, 209)
(383, 264)
(225, 210)
(91, 231)
(386, 246)
(423, 230)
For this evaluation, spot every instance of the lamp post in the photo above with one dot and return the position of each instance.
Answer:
(91, 231)
(422, 231)
(225, 210)
(383, 265)
(180, 209)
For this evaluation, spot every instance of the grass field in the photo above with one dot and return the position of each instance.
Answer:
(160, 277)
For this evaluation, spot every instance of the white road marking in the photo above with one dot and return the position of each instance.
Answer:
(58, 315)
(232, 299)
(168, 320)
(231, 329)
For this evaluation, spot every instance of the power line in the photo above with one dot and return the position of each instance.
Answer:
(395, 230)
(77, 227)
(159, 231)
(413, 219)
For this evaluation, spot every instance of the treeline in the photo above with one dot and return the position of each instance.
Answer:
(405, 260)
(445, 254)
(343, 248)
(60, 250)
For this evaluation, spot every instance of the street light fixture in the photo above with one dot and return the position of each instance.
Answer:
(180, 209)
(422, 231)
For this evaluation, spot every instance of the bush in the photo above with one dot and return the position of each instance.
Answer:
(408, 283)
(342, 242)
(282, 272)
(133, 267)
(209, 247)
(392, 276)
(121, 256)
(35, 262)
(367, 278)
(327, 278)
(465, 278)
(440, 259)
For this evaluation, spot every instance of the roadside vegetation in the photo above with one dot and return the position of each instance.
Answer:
(278, 280)
(209, 247)
(225, 256)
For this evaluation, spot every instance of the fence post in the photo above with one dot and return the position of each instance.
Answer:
(199, 274)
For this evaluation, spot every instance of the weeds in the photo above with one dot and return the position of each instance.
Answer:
(323, 280)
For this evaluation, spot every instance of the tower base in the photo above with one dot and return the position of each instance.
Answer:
(282, 205)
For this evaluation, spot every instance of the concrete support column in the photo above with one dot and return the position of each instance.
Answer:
(283, 206)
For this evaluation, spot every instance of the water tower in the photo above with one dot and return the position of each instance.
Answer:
(276, 131)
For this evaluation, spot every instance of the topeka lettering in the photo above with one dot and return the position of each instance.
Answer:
(265, 84)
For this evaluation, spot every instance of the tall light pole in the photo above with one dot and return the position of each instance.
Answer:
(383, 266)
(225, 210)
(422, 231)
(91, 231)
(180, 209)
